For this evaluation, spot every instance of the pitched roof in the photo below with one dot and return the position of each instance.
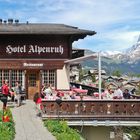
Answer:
(44, 28)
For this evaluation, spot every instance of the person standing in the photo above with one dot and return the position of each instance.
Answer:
(5, 92)
(17, 90)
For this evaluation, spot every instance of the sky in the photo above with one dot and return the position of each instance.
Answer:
(117, 22)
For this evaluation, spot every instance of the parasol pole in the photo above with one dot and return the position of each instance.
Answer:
(99, 74)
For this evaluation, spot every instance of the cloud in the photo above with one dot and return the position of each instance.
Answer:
(96, 13)
(116, 40)
(89, 13)
(117, 23)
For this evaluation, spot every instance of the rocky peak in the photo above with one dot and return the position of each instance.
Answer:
(130, 55)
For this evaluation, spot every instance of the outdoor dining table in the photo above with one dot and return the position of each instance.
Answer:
(80, 91)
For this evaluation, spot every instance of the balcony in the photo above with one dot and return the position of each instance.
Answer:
(92, 110)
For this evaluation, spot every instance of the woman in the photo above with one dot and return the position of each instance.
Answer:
(18, 91)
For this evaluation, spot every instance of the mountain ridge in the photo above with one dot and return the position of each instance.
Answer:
(126, 62)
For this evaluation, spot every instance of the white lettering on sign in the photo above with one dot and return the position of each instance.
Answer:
(32, 64)
(10, 49)
(34, 49)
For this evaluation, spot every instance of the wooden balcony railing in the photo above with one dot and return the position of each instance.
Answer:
(122, 110)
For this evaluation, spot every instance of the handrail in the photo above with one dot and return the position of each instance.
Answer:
(92, 109)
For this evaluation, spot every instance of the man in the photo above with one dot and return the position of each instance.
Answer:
(5, 92)
(126, 94)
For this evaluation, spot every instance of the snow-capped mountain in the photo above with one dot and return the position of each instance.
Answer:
(131, 55)
(127, 61)
(113, 54)
(110, 53)
(134, 52)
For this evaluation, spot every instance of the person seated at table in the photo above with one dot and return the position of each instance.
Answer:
(72, 95)
(46, 90)
(72, 87)
(118, 94)
(50, 96)
(51, 86)
(126, 94)
(59, 95)
(104, 94)
(66, 96)
(42, 90)
(110, 94)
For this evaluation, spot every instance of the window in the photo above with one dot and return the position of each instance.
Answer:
(4, 74)
(16, 75)
(49, 77)
(12, 76)
(32, 80)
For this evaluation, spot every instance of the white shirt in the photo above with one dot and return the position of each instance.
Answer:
(118, 93)
(47, 91)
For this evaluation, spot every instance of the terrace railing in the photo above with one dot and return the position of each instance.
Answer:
(119, 110)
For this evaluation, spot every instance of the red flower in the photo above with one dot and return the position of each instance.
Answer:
(5, 119)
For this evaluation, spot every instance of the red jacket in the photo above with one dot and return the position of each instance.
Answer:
(38, 101)
(5, 89)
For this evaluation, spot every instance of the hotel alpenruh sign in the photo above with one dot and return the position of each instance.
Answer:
(53, 49)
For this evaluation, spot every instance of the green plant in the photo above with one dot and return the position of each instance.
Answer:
(61, 130)
(133, 131)
(7, 129)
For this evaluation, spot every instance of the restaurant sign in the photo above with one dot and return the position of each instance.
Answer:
(33, 64)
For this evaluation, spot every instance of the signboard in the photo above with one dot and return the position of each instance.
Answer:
(42, 48)
(33, 49)
(33, 64)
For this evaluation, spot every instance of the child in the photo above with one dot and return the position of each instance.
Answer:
(38, 102)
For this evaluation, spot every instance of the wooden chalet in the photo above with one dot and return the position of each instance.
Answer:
(35, 54)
